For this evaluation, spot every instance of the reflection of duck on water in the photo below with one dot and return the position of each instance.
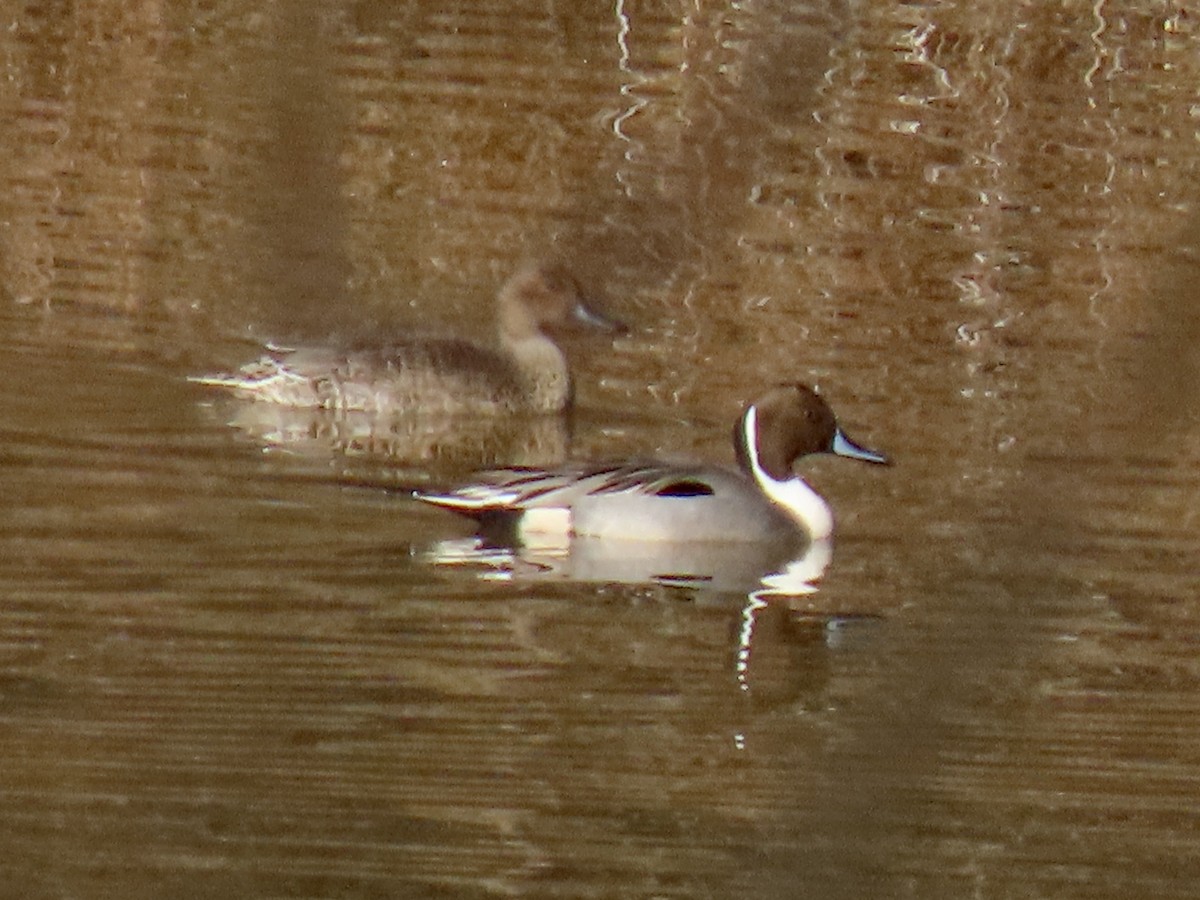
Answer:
(711, 568)
(430, 444)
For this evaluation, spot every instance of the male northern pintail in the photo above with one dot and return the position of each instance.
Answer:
(525, 373)
(764, 501)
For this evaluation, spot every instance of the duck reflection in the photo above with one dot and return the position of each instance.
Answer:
(754, 569)
(778, 644)
(436, 443)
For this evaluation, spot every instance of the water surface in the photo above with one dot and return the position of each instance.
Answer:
(227, 664)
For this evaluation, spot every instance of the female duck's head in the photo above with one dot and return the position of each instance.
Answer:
(544, 295)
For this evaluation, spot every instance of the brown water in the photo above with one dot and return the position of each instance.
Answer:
(228, 669)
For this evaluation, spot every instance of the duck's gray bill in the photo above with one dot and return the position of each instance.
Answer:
(843, 446)
(585, 315)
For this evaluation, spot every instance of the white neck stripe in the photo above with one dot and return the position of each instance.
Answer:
(798, 500)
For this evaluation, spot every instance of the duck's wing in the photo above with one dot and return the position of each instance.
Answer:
(259, 374)
(419, 374)
(292, 376)
(515, 489)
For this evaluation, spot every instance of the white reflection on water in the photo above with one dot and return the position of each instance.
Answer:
(751, 570)
(746, 569)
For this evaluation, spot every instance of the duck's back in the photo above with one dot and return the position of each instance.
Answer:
(649, 501)
(436, 376)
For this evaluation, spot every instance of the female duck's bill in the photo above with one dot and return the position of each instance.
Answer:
(764, 501)
(525, 372)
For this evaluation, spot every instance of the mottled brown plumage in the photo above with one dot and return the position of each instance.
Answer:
(524, 373)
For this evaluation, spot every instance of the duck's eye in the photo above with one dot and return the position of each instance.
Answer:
(685, 489)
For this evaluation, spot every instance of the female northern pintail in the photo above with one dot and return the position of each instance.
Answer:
(525, 373)
(765, 501)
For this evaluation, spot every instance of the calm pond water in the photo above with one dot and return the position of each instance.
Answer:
(236, 661)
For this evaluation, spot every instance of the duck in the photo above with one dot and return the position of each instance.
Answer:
(762, 500)
(524, 373)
